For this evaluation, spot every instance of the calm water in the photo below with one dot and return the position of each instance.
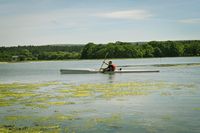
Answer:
(171, 107)
(49, 71)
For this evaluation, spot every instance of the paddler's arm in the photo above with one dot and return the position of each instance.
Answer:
(105, 63)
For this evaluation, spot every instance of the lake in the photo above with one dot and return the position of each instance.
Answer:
(35, 97)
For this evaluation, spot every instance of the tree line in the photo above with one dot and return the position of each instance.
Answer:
(48, 52)
(140, 50)
(98, 51)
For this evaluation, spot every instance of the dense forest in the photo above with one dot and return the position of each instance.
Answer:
(139, 50)
(98, 51)
(48, 52)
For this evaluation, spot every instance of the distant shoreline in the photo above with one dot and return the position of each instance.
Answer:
(94, 59)
(117, 50)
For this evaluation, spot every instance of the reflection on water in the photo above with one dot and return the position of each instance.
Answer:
(111, 78)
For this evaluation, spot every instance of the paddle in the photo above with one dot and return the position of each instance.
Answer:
(103, 61)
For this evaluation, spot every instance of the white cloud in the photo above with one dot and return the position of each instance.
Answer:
(190, 21)
(127, 14)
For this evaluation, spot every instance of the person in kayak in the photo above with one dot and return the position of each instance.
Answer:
(111, 67)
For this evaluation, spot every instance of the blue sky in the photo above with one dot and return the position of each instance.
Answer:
(39, 22)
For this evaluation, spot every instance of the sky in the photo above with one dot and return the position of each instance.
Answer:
(41, 22)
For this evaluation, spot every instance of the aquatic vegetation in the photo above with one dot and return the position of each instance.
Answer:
(14, 118)
(37, 129)
(178, 65)
(55, 117)
(82, 94)
(17, 93)
(108, 120)
(62, 117)
(113, 90)
(166, 117)
(198, 108)
(38, 105)
(165, 94)
(26, 86)
(31, 94)
(59, 103)
(3, 103)
(39, 123)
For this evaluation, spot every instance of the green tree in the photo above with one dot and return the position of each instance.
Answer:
(157, 52)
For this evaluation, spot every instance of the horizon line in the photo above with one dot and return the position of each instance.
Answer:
(16, 45)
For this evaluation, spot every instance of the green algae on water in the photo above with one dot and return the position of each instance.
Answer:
(32, 94)
(108, 120)
(36, 129)
(17, 93)
(61, 105)
(197, 109)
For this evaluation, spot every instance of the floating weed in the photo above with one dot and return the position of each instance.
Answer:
(22, 93)
(197, 109)
(182, 86)
(38, 99)
(112, 90)
(123, 93)
(165, 94)
(19, 95)
(37, 129)
(81, 94)
(45, 101)
(60, 103)
(64, 117)
(108, 120)
(25, 86)
(166, 117)
(28, 94)
(58, 117)
(64, 90)
(89, 124)
(178, 65)
(35, 96)
(40, 123)
(15, 118)
(39, 105)
(4, 130)
(3, 103)
(84, 111)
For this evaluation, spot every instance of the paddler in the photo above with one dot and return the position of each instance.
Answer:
(111, 67)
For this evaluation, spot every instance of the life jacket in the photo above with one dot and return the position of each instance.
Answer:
(112, 67)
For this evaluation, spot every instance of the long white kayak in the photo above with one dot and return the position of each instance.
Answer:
(89, 71)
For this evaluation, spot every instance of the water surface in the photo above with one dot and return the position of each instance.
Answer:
(36, 97)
